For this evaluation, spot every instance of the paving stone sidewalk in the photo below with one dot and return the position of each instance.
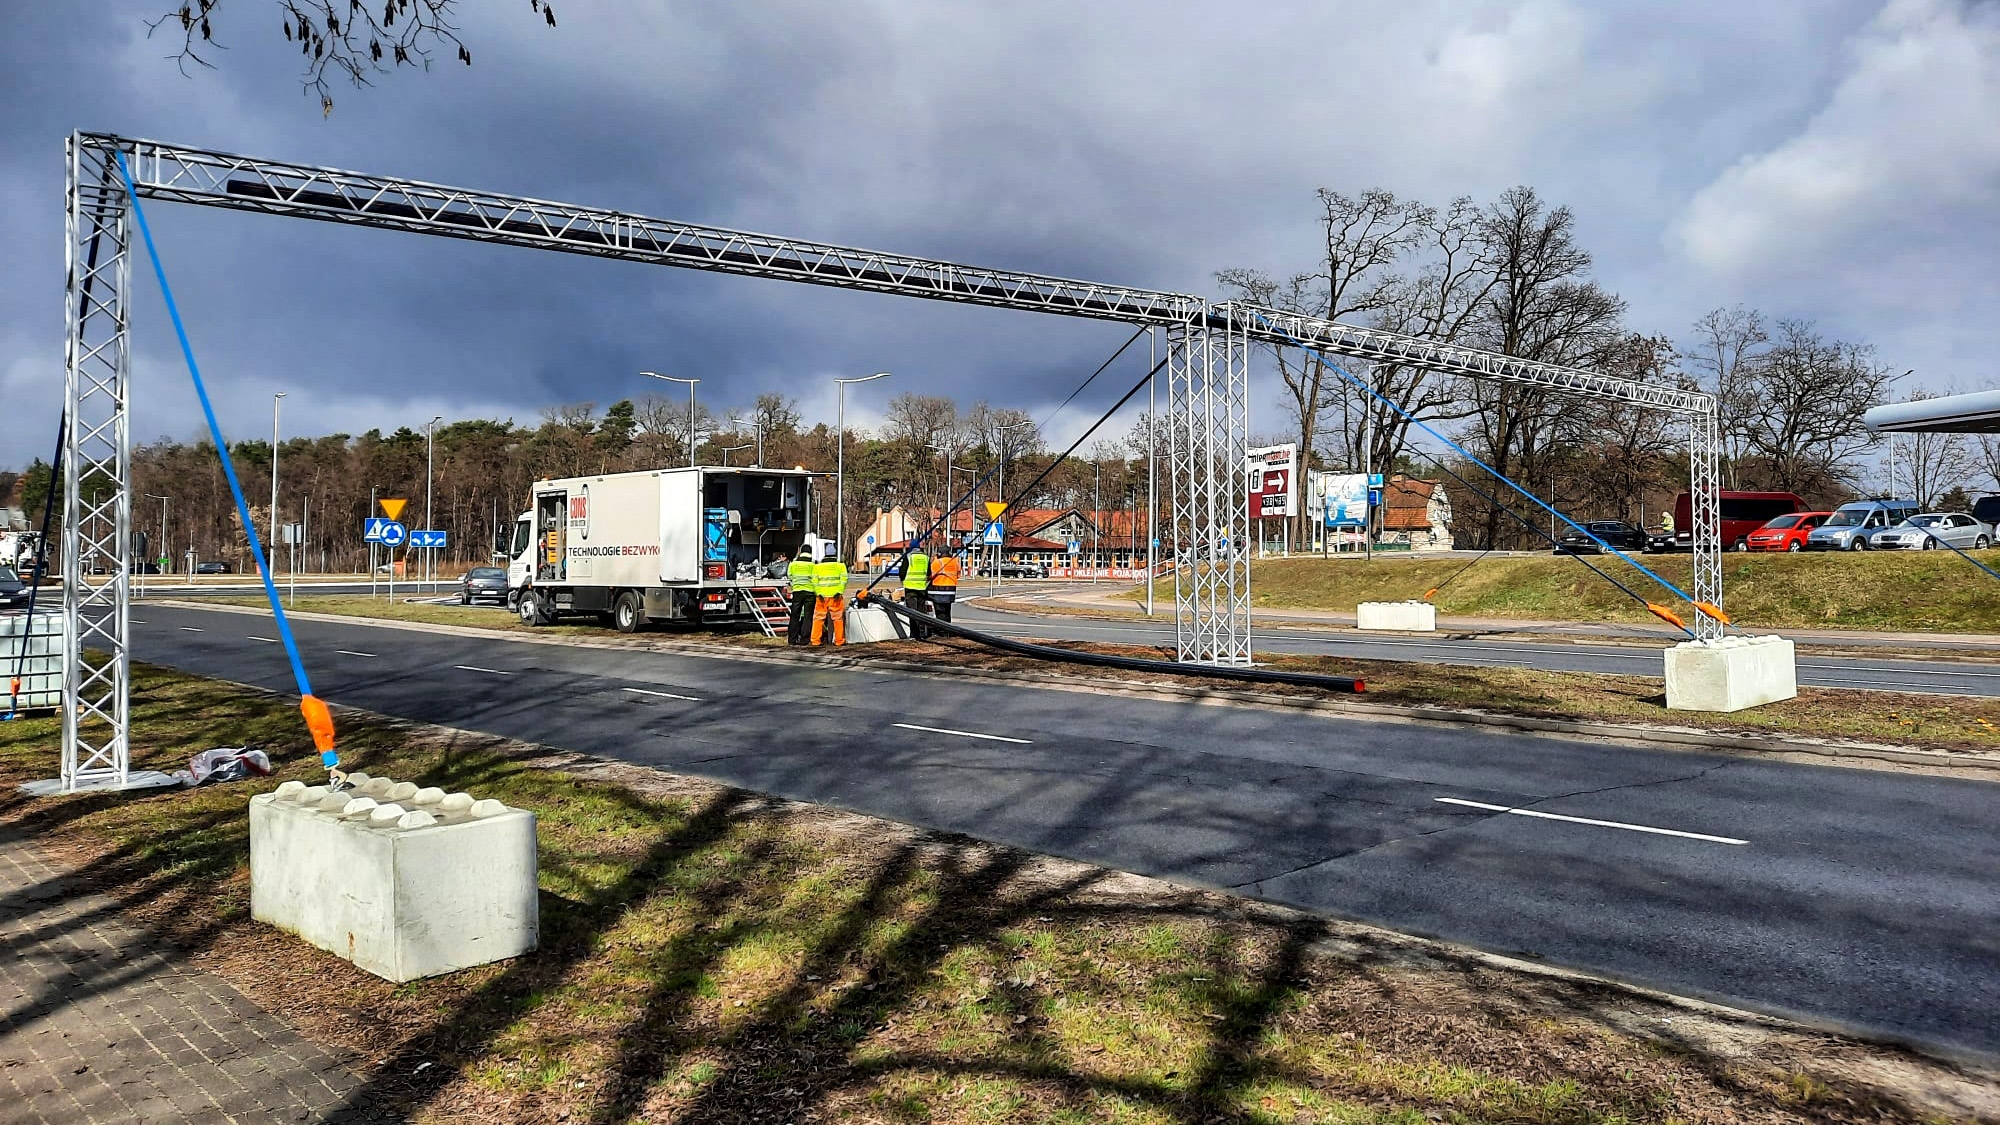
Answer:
(99, 1024)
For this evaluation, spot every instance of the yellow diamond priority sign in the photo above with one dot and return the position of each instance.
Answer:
(392, 508)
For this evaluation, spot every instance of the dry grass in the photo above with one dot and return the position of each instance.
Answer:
(709, 955)
(1901, 591)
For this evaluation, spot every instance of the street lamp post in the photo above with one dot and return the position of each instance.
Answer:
(430, 461)
(163, 523)
(729, 449)
(690, 383)
(758, 429)
(271, 534)
(840, 460)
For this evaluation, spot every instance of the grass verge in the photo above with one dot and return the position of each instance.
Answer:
(1899, 591)
(1954, 724)
(710, 955)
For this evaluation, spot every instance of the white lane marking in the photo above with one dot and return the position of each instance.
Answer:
(661, 694)
(189, 629)
(138, 621)
(1918, 670)
(1586, 820)
(266, 640)
(351, 652)
(964, 733)
(474, 668)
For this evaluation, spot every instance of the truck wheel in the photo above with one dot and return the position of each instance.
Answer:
(627, 613)
(535, 609)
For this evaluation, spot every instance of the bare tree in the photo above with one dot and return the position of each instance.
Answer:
(1933, 464)
(1624, 452)
(1361, 239)
(344, 38)
(1809, 394)
(1728, 345)
(1543, 307)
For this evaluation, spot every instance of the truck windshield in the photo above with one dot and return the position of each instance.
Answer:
(1846, 517)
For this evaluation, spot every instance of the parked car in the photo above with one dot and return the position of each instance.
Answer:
(212, 568)
(1742, 513)
(13, 592)
(1922, 533)
(483, 584)
(1786, 533)
(1014, 569)
(1850, 525)
(1617, 533)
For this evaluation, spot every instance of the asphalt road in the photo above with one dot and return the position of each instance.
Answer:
(1865, 899)
(1931, 677)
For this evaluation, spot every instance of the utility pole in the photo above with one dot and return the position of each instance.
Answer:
(840, 462)
(430, 462)
(758, 429)
(164, 548)
(690, 383)
(271, 534)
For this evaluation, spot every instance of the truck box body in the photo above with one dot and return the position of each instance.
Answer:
(688, 541)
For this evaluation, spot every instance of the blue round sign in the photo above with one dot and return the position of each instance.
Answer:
(394, 534)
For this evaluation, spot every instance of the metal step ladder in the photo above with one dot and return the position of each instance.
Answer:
(773, 611)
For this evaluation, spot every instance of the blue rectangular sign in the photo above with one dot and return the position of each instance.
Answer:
(426, 538)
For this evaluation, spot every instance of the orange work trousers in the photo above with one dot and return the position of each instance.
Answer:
(833, 608)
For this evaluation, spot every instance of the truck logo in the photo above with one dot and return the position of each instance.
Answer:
(579, 509)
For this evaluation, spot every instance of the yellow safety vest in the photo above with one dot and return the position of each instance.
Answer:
(830, 578)
(917, 571)
(800, 574)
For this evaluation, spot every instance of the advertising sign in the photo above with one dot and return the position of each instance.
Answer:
(1273, 471)
(1345, 499)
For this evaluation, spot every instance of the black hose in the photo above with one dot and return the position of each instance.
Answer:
(1129, 663)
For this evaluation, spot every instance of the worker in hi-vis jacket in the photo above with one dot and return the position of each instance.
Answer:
(830, 584)
(916, 590)
(805, 594)
(944, 586)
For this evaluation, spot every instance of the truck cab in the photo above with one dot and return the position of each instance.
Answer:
(697, 545)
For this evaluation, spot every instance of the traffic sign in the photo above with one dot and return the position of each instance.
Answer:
(392, 508)
(1075, 547)
(995, 533)
(427, 538)
(994, 508)
(389, 533)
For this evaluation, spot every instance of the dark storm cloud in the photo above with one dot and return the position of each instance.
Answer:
(1134, 143)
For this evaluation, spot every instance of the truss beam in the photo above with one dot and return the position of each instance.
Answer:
(1208, 385)
(1272, 326)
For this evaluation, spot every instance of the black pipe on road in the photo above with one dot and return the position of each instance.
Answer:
(1129, 663)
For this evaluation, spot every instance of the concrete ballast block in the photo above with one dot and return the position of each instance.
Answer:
(1731, 674)
(403, 893)
(866, 624)
(1405, 617)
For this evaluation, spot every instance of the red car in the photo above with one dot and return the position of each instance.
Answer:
(1786, 533)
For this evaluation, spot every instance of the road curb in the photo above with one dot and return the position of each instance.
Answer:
(1666, 738)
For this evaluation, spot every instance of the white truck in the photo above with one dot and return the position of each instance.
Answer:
(694, 545)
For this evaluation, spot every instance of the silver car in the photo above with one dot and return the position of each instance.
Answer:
(1922, 532)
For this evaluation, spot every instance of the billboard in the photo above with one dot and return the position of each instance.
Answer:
(1344, 499)
(1273, 473)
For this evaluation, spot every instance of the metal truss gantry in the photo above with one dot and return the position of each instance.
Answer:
(97, 474)
(1274, 326)
(1208, 380)
(1208, 427)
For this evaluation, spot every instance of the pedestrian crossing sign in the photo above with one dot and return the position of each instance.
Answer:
(995, 532)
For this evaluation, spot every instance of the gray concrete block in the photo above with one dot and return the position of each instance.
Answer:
(1403, 617)
(402, 894)
(1731, 674)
